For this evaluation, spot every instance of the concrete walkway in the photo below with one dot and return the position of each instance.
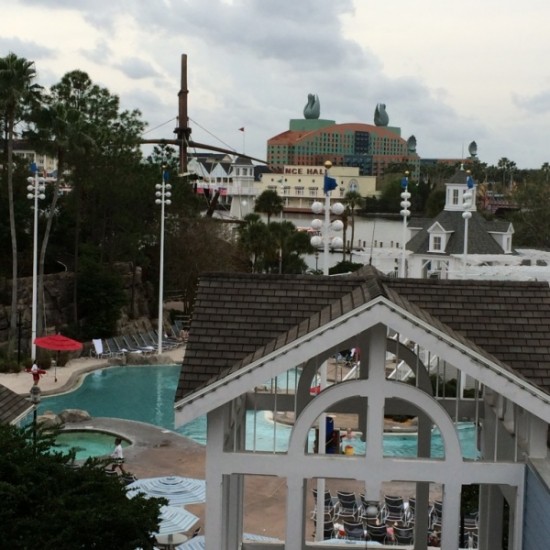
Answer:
(69, 376)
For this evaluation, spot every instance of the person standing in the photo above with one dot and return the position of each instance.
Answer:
(118, 457)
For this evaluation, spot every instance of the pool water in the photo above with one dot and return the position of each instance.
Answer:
(90, 443)
(146, 394)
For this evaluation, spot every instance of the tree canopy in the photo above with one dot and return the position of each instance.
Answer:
(47, 503)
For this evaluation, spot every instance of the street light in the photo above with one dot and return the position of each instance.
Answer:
(36, 189)
(163, 195)
(467, 204)
(405, 212)
(325, 228)
(35, 396)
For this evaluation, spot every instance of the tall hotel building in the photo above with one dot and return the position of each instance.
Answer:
(311, 141)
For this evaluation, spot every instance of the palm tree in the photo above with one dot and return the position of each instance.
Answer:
(16, 92)
(58, 131)
(353, 199)
(254, 238)
(270, 203)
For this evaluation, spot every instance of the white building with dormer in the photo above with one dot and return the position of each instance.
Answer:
(436, 247)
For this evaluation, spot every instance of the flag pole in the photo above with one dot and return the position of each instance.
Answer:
(242, 130)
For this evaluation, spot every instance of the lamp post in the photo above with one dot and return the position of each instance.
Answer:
(163, 195)
(405, 212)
(324, 226)
(35, 396)
(36, 189)
(467, 203)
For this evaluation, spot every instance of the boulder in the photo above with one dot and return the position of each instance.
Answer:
(74, 415)
(49, 421)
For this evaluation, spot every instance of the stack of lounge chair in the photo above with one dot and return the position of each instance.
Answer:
(391, 522)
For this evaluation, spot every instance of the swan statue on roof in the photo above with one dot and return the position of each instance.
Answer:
(313, 108)
(381, 118)
(411, 144)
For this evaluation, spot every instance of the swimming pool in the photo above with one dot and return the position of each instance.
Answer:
(146, 394)
(87, 443)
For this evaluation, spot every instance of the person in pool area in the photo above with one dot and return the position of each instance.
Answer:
(118, 457)
(36, 373)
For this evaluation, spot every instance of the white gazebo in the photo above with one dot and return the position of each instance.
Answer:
(488, 338)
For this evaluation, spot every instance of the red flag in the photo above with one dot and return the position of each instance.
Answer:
(241, 129)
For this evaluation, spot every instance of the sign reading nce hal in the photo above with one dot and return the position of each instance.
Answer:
(304, 170)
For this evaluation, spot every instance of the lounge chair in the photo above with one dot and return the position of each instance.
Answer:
(410, 511)
(329, 529)
(347, 506)
(329, 506)
(113, 348)
(134, 348)
(403, 535)
(376, 532)
(354, 530)
(166, 342)
(146, 348)
(436, 515)
(125, 347)
(393, 509)
(97, 351)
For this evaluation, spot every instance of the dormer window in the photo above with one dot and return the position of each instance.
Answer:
(438, 239)
(456, 197)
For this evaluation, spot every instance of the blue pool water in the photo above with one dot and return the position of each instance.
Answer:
(146, 394)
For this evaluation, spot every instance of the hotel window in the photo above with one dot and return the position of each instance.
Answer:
(299, 191)
(312, 191)
(286, 190)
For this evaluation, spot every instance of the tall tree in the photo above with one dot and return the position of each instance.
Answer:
(56, 129)
(269, 202)
(254, 238)
(353, 199)
(48, 504)
(111, 156)
(532, 220)
(16, 91)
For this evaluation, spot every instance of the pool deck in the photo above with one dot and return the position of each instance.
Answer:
(69, 376)
(156, 451)
(159, 452)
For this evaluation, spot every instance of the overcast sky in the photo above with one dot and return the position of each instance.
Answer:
(448, 72)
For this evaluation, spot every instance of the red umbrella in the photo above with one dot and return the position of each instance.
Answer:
(58, 342)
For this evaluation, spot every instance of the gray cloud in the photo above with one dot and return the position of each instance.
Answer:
(534, 104)
(252, 63)
(30, 50)
(136, 68)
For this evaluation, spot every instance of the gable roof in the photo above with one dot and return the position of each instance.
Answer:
(239, 318)
(479, 238)
(236, 313)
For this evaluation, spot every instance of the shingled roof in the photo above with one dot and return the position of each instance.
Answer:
(480, 240)
(239, 317)
(12, 406)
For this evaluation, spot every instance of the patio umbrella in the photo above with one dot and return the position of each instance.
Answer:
(176, 489)
(197, 543)
(57, 342)
(174, 519)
